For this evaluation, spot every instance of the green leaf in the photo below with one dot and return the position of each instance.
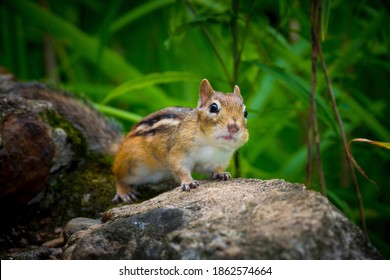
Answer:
(350, 53)
(21, 47)
(111, 64)
(6, 37)
(118, 113)
(385, 145)
(368, 119)
(198, 21)
(148, 81)
(301, 91)
(138, 12)
(325, 17)
(341, 204)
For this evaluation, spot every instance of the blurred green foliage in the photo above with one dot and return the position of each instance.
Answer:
(133, 57)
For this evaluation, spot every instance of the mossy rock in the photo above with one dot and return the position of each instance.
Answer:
(49, 174)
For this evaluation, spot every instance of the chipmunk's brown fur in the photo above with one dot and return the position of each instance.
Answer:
(176, 141)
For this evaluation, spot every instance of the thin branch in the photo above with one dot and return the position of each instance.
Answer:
(315, 20)
(312, 116)
(246, 30)
(236, 53)
(49, 54)
(318, 156)
(240, 49)
(315, 8)
(343, 137)
(213, 46)
(309, 141)
(236, 66)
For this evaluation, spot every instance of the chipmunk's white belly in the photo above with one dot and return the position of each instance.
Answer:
(144, 175)
(207, 158)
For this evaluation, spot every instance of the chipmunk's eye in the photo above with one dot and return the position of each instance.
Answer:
(214, 108)
(245, 113)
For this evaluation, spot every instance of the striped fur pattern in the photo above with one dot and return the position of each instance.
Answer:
(160, 122)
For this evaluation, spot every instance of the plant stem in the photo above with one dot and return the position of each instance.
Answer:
(236, 66)
(236, 53)
(315, 19)
(213, 46)
(312, 100)
(343, 137)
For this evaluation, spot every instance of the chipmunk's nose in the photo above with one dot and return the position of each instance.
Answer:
(233, 128)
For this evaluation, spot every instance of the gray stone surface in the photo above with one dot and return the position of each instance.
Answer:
(238, 219)
(78, 224)
(41, 253)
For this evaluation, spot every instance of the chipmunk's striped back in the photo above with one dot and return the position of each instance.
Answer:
(160, 122)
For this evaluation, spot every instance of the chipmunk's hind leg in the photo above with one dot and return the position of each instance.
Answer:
(125, 193)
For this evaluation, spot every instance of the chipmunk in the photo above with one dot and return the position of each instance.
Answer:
(175, 141)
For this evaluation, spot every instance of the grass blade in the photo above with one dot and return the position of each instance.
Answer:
(137, 13)
(369, 120)
(148, 81)
(300, 90)
(385, 145)
(21, 48)
(325, 17)
(5, 21)
(118, 113)
(350, 54)
(112, 65)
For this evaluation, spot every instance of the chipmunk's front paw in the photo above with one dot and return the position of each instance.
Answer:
(126, 198)
(223, 176)
(187, 187)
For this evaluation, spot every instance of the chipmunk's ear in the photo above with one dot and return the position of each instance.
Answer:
(205, 92)
(237, 91)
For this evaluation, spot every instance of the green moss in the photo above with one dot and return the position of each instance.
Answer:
(85, 187)
(79, 144)
(85, 191)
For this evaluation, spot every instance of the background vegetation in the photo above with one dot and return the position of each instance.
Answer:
(133, 57)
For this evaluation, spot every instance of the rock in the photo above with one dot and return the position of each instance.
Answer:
(45, 131)
(74, 231)
(41, 253)
(55, 161)
(78, 224)
(102, 135)
(54, 243)
(144, 232)
(238, 219)
(25, 157)
(44, 160)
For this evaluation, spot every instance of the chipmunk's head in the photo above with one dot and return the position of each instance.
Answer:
(222, 117)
